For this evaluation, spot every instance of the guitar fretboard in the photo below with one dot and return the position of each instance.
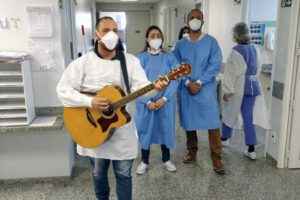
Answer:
(132, 96)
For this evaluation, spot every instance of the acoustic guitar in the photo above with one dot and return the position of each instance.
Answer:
(90, 128)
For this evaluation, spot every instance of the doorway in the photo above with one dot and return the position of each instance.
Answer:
(169, 19)
(137, 25)
(262, 24)
(69, 41)
(293, 151)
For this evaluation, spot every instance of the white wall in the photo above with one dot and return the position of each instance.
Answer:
(36, 154)
(223, 15)
(16, 39)
(265, 10)
(128, 7)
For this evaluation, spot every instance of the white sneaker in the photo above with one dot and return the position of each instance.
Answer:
(170, 166)
(142, 168)
(225, 143)
(251, 155)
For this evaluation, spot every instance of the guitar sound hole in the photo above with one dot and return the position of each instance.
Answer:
(109, 112)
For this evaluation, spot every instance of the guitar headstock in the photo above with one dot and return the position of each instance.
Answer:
(182, 70)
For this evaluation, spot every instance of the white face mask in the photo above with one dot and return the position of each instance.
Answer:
(155, 44)
(195, 24)
(185, 35)
(110, 40)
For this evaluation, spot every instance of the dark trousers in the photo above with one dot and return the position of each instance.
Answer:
(215, 145)
(165, 151)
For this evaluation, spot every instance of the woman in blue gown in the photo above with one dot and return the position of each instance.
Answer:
(155, 116)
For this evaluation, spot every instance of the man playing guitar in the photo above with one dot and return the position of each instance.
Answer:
(89, 74)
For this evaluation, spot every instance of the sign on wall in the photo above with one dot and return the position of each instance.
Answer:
(41, 32)
(39, 21)
(286, 3)
(257, 30)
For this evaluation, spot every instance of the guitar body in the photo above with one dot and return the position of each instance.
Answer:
(89, 127)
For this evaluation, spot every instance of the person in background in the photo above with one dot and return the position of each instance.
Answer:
(89, 74)
(155, 116)
(242, 91)
(197, 94)
(184, 32)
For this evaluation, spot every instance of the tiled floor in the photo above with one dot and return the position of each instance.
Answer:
(244, 179)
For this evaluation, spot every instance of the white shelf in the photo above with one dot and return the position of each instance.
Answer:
(12, 107)
(12, 84)
(13, 122)
(12, 96)
(16, 95)
(10, 73)
(12, 115)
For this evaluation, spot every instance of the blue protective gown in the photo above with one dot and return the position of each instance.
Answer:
(199, 111)
(157, 126)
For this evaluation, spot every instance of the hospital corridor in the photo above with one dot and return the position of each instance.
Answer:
(150, 100)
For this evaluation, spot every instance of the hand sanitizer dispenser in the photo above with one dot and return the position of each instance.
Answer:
(270, 41)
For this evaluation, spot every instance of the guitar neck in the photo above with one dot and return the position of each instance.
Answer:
(132, 96)
(174, 74)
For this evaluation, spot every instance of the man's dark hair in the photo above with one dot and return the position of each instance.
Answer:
(102, 18)
(195, 9)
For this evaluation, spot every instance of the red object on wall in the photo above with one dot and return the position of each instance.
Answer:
(82, 30)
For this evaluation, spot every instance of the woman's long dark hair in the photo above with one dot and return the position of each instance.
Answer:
(181, 32)
(148, 32)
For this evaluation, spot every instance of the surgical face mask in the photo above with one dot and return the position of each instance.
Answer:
(155, 44)
(195, 24)
(185, 35)
(110, 40)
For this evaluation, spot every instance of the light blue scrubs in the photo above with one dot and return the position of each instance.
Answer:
(199, 111)
(157, 126)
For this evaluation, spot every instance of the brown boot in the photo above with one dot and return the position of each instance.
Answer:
(216, 150)
(192, 146)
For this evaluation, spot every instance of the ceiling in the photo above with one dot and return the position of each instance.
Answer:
(119, 1)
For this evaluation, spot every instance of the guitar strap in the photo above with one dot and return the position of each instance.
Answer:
(121, 57)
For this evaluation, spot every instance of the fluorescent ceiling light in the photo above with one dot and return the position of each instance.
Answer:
(129, 0)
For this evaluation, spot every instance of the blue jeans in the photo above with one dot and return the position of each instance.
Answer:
(122, 170)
